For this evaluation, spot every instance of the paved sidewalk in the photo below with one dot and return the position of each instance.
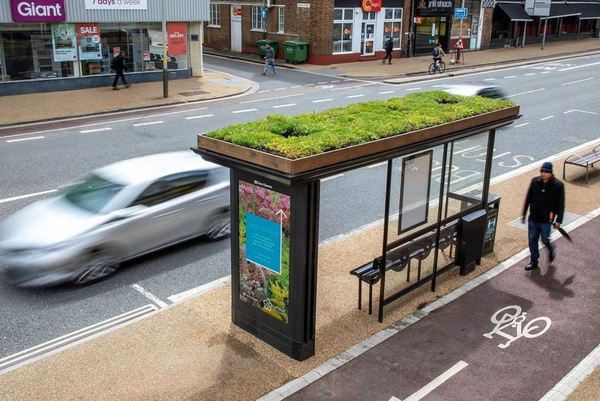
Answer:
(191, 350)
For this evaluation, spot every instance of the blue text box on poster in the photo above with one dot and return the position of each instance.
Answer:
(263, 242)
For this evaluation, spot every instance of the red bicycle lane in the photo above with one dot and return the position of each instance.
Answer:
(549, 325)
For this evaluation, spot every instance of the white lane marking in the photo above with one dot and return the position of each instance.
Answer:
(271, 98)
(576, 82)
(525, 93)
(546, 118)
(332, 177)
(279, 89)
(202, 116)
(182, 296)
(465, 150)
(412, 89)
(47, 348)
(530, 74)
(309, 85)
(27, 196)
(322, 83)
(108, 122)
(352, 87)
(334, 82)
(264, 91)
(521, 125)
(490, 79)
(244, 111)
(322, 100)
(95, 130)
(377, 165)
(150, 123)
(385, 92)
(438, 381)
(284, 105)
(353, 96)
(295, 86)
(581, 111)
(438, 86)
(510, 76)
(149, 295)
(546, 72)
(579, 66)
(25, 139)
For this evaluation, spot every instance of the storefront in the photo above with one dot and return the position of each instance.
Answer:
(48, 45)
(433, 24)
(361, 28)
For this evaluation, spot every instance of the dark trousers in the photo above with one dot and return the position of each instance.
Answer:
(116, 81)
(537, 230)
(388, 56)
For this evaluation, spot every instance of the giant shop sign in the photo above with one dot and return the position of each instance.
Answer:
(38, 10)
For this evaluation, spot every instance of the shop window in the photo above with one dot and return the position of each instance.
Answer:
(215, 16)
(257, 20)
(342, 30)
(281, 20)
(370, 16)
(392, 26)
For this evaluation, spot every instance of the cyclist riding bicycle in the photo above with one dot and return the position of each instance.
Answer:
(438, 52)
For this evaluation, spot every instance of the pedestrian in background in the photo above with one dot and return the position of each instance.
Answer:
(118, 65)
(546, 203)
(269, 59)
(389, 46)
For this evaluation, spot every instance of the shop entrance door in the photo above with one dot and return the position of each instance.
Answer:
(367, 47)
(236, 28)
(430, 31)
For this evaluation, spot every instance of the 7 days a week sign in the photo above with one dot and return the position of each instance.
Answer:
(116, 4)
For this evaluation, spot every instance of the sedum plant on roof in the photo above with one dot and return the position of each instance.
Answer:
(310, 134)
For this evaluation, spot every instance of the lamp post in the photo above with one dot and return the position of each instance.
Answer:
(165, 59)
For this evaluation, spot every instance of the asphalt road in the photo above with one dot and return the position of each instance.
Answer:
(558, 104)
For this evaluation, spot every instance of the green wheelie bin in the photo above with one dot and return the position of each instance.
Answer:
(295, 51)
(262, 50)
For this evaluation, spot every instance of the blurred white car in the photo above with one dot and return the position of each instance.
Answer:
(491, 91)
(120, 211)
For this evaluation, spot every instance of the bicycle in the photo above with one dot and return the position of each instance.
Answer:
(437, 66)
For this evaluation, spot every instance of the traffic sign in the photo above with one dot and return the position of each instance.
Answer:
(460, 13)
(263, 14)
(459, 44)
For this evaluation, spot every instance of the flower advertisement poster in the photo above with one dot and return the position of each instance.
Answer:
(264, 258)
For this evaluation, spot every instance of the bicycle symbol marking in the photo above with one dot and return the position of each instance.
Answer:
(510, 319)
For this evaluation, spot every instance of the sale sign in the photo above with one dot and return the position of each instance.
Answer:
(177, 44)
(88, 37)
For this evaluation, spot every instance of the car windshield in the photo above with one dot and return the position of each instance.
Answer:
(93, 194)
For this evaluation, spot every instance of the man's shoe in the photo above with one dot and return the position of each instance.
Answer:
(390, 62)
(115, 88)
(128, 85)
(552, 255)
(531, 266)
(262, 73)
(274, 73)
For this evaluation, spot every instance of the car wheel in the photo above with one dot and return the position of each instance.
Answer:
(95, 266)
(219, 226)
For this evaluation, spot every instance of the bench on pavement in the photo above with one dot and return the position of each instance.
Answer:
(400, 258)
(585, 160)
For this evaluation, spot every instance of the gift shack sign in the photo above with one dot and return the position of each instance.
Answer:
(38, 10)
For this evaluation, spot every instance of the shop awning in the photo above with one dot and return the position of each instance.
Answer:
(563, 11)
(588, 11)
(515, 12)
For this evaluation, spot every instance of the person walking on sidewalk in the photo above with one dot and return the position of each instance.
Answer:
(389, 46)
(269, 59)
(546, 203)
(118, 65)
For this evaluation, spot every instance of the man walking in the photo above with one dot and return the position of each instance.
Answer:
(118, 65)
(269, 59)
(546, 201)
(389, 46)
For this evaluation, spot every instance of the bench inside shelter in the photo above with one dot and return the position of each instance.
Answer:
(586, 160)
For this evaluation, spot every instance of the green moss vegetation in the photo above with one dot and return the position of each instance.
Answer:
(314, 133)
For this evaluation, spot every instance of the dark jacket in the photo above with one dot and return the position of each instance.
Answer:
(270, 53)
(389, 45)
(118, 63)
(544, 199)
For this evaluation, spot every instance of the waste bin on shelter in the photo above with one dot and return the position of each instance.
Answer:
(296, 51)
(262, 50)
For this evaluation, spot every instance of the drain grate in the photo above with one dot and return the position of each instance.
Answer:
(193, 93)
(569, 218)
